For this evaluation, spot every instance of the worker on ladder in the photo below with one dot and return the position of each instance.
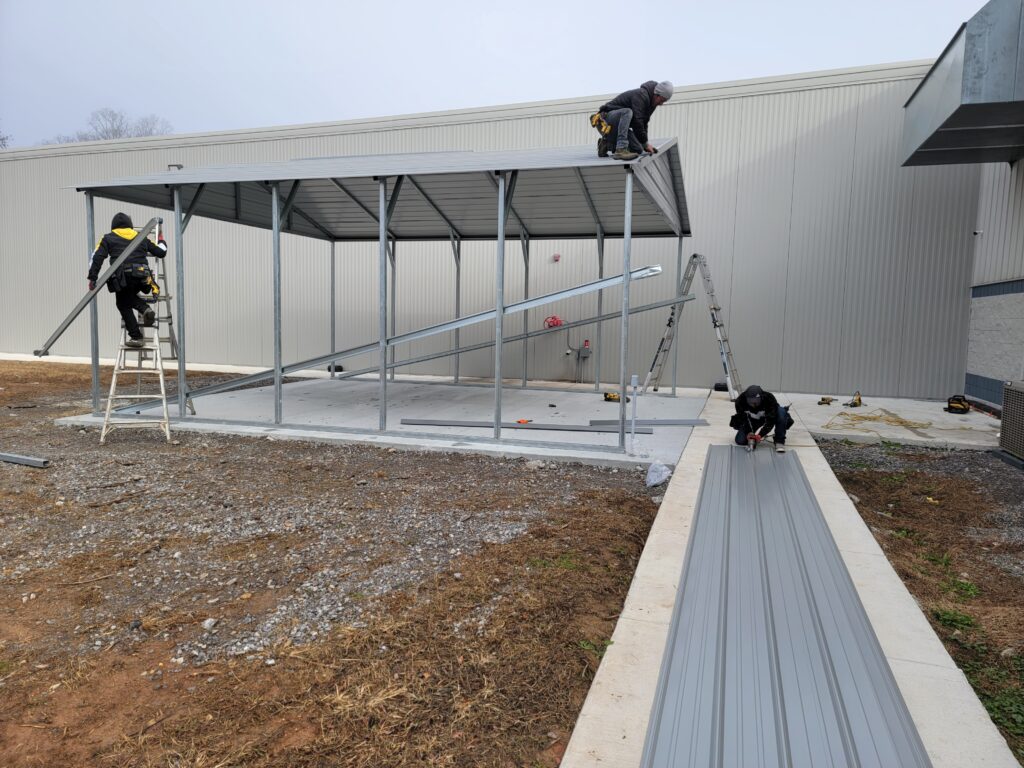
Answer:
(133, 277)
(622, 122)
(757, 413)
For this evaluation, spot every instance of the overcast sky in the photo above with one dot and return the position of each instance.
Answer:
(208, 65)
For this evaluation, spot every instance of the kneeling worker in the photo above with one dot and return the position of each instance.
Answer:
(758, 413)
(626, 117)
(132, 277)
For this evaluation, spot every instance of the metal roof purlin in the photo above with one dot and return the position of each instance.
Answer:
(358, 202)
(437, 209)
(312, 222)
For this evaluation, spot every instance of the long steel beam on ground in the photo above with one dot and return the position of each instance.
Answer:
(316, 362)
(613, 428)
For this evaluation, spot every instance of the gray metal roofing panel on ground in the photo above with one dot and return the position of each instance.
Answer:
(771, 659)
(337, 196)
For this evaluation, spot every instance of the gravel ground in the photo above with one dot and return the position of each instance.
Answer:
(228, 546)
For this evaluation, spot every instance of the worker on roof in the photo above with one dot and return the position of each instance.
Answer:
(757, 413)
(132, 277)
(622, 122)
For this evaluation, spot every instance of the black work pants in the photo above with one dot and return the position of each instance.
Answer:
(128, 302)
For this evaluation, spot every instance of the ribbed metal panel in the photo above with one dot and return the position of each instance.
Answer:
(999, 244)
(771, 659)
(809, 226)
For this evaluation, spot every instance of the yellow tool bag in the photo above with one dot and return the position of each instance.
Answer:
(597, 121)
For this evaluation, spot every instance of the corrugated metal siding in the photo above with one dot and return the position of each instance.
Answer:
(812, 231)
(999, 249)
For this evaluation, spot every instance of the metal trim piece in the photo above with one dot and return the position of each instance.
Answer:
(28, 461)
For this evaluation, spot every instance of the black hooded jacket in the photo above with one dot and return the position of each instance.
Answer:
(761, 419)
(641, 101)
(113, 244)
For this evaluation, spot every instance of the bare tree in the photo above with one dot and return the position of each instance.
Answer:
(4, 140)
(107, 123)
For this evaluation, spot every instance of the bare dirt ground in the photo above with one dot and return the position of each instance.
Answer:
(952, 525)
(250, 602)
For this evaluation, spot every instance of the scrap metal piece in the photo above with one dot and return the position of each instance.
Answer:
(28, 461)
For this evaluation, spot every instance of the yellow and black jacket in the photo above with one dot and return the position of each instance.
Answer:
(113, 244)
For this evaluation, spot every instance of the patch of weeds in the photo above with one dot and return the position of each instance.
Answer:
(903, 533)
(1006, 709)
(566, 561)
(895, 478)
(962, 588)
(944, 559)
(599, 647)
(953, 619)
(860, 465)
(891, 448)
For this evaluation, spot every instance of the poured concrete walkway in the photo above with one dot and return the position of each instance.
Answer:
(612, 728)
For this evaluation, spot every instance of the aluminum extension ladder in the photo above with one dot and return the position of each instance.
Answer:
(149, 361)
(732, 377)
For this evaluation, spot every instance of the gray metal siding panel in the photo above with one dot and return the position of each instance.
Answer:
(770, 658)
(999, 249)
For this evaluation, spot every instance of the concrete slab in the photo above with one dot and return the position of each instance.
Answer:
(318, 408)
(925, 423)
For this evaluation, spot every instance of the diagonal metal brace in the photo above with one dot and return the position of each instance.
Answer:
(132, 247)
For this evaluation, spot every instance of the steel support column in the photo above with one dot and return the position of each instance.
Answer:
(600, 310)
(382, 298)
(334, 304)
(679, 311)
(627, 238)
(524, 239)
(394, 299)
(94, 312)
(275, 212)
(179, 287)
(499, 301)
(457, 253)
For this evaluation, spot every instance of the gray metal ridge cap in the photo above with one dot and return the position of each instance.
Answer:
(378, 165)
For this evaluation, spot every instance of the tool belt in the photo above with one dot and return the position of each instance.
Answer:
(597, 121)
(133, 271)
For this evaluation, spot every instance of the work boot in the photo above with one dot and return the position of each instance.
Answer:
(625, 153)
(602, 147)
(135, 343)
(149, 317)
(780, 447)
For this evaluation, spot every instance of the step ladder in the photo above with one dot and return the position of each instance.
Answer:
(148, 362)
(732, 377)
(162, 306)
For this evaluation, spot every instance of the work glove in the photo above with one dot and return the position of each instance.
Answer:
(755, 437)
(92, 285)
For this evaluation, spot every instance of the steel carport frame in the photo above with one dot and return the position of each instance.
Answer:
(559, 193)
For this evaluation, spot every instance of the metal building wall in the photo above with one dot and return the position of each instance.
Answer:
(837, 269)
(999, 246)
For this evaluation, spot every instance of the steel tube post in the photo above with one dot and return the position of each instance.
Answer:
(525, 241)
(382, 299)
(94, 312)
(499, 294)
(457, 251)
(394, 298)
(678, 314)
(334, 302)
(275, 212)
(179, 287)
(627, 238)
(600, 311)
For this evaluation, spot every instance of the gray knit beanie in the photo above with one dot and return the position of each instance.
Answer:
(663, 89)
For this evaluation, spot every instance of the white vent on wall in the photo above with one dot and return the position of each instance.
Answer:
(1011, 436)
